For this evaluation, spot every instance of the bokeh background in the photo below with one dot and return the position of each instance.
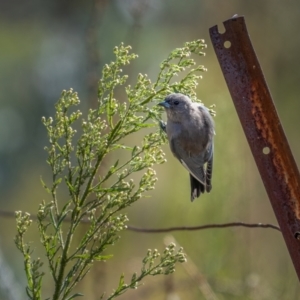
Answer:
(48, 46)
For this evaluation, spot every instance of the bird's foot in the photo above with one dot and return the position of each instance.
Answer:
(163, 126)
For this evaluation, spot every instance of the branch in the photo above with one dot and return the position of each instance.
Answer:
(195, 274)
(201, 227)
(11, 214)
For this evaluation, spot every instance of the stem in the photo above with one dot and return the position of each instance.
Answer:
(109, 116)
(150, 97)
(64, 257)
(87, 189)
(60, 235)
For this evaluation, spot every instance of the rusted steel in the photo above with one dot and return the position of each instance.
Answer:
(262, 127)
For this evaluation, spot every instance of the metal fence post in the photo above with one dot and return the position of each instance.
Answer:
(262, 127)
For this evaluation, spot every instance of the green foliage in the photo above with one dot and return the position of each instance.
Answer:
(165, 266)
(97, 196)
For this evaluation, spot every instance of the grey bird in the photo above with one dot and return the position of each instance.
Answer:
(190, 131)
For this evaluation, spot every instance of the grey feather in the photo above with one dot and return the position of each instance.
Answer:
(190, 131)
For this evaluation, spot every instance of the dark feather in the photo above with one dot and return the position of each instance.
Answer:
(196, 188)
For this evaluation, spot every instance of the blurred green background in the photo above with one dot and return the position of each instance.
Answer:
(47, 46)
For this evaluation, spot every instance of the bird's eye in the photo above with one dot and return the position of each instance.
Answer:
(176, 102)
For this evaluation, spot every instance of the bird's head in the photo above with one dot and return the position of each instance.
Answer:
(177, 106)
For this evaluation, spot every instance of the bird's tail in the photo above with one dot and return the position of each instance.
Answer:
(196, 188)
(208, 175)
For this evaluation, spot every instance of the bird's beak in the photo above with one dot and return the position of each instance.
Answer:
(164, 104)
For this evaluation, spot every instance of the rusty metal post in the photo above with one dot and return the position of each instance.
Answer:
(262, 127)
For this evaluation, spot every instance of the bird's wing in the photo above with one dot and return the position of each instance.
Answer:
(196, 170)
(194, 164)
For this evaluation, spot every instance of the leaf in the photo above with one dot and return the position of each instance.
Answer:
(116, 164)
(75, 296)
(53, 221)
(45, 186)
(133, 278)
(69, 184)
(63, 217)
(57, 182)
(146, 125)
(121, 283)
(115, 129)
(117, 189)
(28, 292)
(102, 257)
(120, 146)
(81, 256)
(65, 206)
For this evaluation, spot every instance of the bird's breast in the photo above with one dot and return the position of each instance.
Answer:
(192, 144)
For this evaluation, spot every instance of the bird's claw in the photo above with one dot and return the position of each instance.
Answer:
(163, 126)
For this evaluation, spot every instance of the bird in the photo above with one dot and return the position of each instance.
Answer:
(190, 131)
